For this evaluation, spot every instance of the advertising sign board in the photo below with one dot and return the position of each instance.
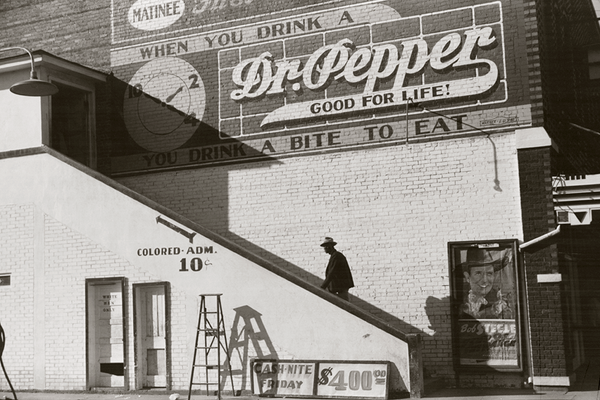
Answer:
(320, 379)
(298, 80)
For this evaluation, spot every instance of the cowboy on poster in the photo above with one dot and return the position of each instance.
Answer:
(485, 298)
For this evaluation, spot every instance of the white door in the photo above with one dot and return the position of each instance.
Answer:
(106, 357)
(152, 336)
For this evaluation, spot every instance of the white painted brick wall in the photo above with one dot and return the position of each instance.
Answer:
(16, 300)
(68, 264)
(392, 210)
(69, 259)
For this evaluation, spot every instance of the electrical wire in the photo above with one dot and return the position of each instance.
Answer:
(2, 344)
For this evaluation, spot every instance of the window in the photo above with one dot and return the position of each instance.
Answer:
(594, 63)
(71, 131)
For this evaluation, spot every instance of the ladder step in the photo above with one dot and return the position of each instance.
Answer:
(212, 332)
(207, 366)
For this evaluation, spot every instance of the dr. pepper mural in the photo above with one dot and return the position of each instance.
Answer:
(213, 81)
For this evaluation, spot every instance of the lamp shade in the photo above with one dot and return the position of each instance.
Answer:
(34, 87)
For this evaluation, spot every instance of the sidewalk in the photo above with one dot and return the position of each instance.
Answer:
(511, 394)
(444, 394)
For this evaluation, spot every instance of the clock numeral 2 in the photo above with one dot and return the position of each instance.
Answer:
(194, 79)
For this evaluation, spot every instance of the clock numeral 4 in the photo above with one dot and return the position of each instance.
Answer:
(191, 119)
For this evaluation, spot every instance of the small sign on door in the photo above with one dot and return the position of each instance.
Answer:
(4, 279)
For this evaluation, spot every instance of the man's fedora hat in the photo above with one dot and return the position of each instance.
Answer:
(481, 257)
(328, 242)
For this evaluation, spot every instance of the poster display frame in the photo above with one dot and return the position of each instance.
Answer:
(497, 341)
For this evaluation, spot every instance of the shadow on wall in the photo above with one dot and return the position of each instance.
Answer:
(151, 130)
(249, 338)
(438, 313)
(252, 334)
(438, 321)
(206, 146)
(316, 281)
(124, 152)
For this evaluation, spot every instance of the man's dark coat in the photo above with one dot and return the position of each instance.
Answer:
(337, 274)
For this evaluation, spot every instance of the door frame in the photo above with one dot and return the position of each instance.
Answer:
(137, 339)
(90, 299)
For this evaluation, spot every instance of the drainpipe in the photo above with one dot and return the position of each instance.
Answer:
(539, 239)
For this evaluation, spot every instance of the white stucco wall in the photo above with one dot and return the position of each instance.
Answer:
(21, 122)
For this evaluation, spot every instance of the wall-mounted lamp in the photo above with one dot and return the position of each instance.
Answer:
(32, 86)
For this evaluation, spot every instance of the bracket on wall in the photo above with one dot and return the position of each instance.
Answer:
(189, 235)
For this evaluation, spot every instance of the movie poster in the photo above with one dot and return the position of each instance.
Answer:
(485, 299)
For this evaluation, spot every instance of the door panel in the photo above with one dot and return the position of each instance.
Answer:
(152, 336)
(105, 334)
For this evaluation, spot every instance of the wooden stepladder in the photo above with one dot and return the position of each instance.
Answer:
(211, 326)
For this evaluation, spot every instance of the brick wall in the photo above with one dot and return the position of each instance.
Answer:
(16, 300)
(560, 33)
(392, 211)
(78, 31)
(545, 303)
(70, 259)
(534, 81)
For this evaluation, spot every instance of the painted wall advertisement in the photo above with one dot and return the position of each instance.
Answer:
(210, 81)
(485, 304)
(315, 379)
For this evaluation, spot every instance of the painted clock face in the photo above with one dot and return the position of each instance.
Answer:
(164, 104)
